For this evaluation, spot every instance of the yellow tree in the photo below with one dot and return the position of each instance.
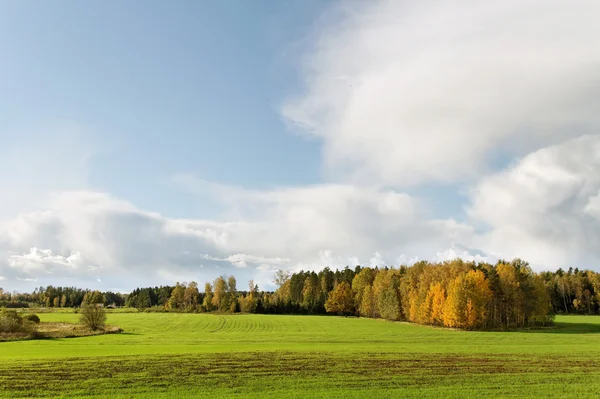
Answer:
(190, 295)
(176, 301)
(478, 295)
(340, 300)
(208, 297)
(467, 301)
(219, 299)
(367, 303)
(543, 304)
(437, 296)
(362, 279)
(452, 313)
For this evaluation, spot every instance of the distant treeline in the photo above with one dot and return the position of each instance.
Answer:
(454, 294)
(59, 297)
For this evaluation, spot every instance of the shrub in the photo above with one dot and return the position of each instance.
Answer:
(33, 318)
(12, 322)
(93, 317)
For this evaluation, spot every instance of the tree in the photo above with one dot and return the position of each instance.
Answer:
(282, 280)
(190, 296)
(93, 297)
(360, 281)
(437, 296)
(310, 292)
(249, 303)
(219, 300)
(233, 305)
(389, 305)
(176, 301)
(93, 316)
(281, 277)
(340, 300)
(367, 303)
(541, 313)
(208, 298)
(467, 301)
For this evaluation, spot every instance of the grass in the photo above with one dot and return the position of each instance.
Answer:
(164, 355)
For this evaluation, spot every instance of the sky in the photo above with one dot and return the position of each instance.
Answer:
(145, 143)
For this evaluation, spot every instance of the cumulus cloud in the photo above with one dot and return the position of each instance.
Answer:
(332, 224)
(45, 261)
(434, 90)
(545, 207)
(89, 233)
(92, 234)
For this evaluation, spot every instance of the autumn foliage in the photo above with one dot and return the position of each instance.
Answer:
(455, 293)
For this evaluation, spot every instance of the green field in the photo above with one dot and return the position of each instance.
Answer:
(166, 355)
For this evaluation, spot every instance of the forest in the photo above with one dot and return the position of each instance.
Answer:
(455, 293)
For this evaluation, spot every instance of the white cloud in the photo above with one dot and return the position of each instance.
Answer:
(45, 261)
(2, 278)
(91, 235)
(452, 253)
(433, 90)
(330, 224)
(544, 208)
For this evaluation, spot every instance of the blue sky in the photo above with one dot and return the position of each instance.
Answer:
(154, 142)
(159, 89)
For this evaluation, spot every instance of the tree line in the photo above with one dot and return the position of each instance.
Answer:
(60, 297)
(455, 293)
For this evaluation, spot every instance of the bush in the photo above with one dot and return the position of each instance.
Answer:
(33, 318)
(93, 317)
(12, 322)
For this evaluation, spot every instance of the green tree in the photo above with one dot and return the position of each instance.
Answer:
(388, 304)
(93, 297)
(93, 316)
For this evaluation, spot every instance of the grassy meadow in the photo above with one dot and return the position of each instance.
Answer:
(170, 355)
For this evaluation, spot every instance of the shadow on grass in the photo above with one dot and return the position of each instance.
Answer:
(567, 328)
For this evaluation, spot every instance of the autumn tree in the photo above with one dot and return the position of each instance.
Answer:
(340, 300)
(220, 300)
(360, 281)
(208, 298)
(367, 303)
(191, 295)
(467, 301)
(437, 298)
(176, 301)
(231, 295)
(249, 303)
